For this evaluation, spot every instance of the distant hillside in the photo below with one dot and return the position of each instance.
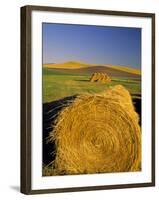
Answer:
(80, 67)
(68, 65)
(90, 70)
(127, 69)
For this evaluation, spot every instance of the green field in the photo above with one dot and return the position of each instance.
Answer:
(57, 84)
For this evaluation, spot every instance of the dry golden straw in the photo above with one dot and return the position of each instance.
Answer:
(100, 77)
(98, 133)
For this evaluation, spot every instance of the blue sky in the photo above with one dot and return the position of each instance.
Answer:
(91, 44)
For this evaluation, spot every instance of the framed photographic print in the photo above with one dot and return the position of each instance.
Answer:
(87, 99)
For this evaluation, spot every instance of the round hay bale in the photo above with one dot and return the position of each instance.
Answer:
(100, 77)
(98, 134)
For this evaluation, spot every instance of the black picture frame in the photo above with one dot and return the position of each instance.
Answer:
(26, 107)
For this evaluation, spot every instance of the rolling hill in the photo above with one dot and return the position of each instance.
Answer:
(89, 70)
(74, 67)
(68, 65)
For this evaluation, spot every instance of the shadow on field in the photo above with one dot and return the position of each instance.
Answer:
(137, 103)
(50, 113)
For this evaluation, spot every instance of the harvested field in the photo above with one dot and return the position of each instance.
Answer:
(58, 85)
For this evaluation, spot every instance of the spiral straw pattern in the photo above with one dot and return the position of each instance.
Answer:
(97, 134)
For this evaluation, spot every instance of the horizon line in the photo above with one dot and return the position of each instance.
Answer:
(97, 64)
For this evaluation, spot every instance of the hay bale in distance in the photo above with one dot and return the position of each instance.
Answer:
(98, 134)
(100, 77)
